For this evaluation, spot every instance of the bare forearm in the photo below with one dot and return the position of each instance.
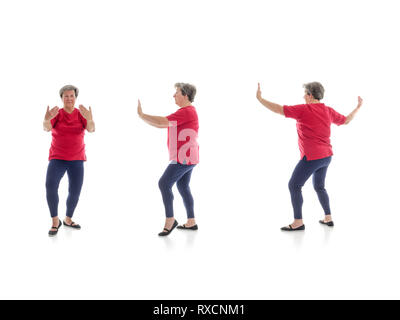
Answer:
(353, 113)
(90, 126)
(47, 125)
(274, 107)
(155, 121)
(351, 116)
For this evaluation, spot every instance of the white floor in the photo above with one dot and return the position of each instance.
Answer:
(237, 253)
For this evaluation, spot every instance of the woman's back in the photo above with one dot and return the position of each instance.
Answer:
(314, 128)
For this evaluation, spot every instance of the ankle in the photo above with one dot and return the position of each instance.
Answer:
(169, 221)
(298, 222)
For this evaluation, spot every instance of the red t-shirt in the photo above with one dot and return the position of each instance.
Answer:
(314, 128)
(68, 132)
(182, 136)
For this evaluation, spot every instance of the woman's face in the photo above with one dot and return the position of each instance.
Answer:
(180, 99)
(68, 98)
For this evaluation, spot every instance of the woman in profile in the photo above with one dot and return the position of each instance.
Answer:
(67, 153)
(183, 126)
(313, 126)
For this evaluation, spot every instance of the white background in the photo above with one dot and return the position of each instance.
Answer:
(119, 51)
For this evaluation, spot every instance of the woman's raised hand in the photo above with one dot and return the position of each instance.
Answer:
(87, 114)
(360, 102)
(51, 113)
(259, 92)
(139, 109)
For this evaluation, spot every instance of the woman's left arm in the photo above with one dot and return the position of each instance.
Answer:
(87, 114)
(155, 121)
(353, 113)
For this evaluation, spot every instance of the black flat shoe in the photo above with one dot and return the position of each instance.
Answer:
(183, 227)
(290, 228)
(166, 231)
(53, 233)
(72, 225)
(329, 224)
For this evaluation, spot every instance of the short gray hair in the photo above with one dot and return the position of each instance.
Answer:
(69, 87)
(187, 89)
(315, 89)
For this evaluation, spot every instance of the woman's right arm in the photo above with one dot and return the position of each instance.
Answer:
(353, 113)
(50, 114)
(155, 121)
(274, 107)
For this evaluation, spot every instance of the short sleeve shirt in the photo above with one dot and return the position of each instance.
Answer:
(314, 128)
(182, 136)
(68, 131)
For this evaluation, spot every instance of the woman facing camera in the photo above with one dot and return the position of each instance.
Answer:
(313, 126)
(67, 153)
(183, 126)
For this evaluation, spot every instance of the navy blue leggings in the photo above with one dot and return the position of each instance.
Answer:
(301, 173)
(180, 174)
(55, 172)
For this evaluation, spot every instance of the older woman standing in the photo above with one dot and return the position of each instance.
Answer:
(313, 126)
(183, 126)
(67, 153)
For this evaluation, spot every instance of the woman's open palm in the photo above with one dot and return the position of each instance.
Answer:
(87, 114)
(51, 113)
